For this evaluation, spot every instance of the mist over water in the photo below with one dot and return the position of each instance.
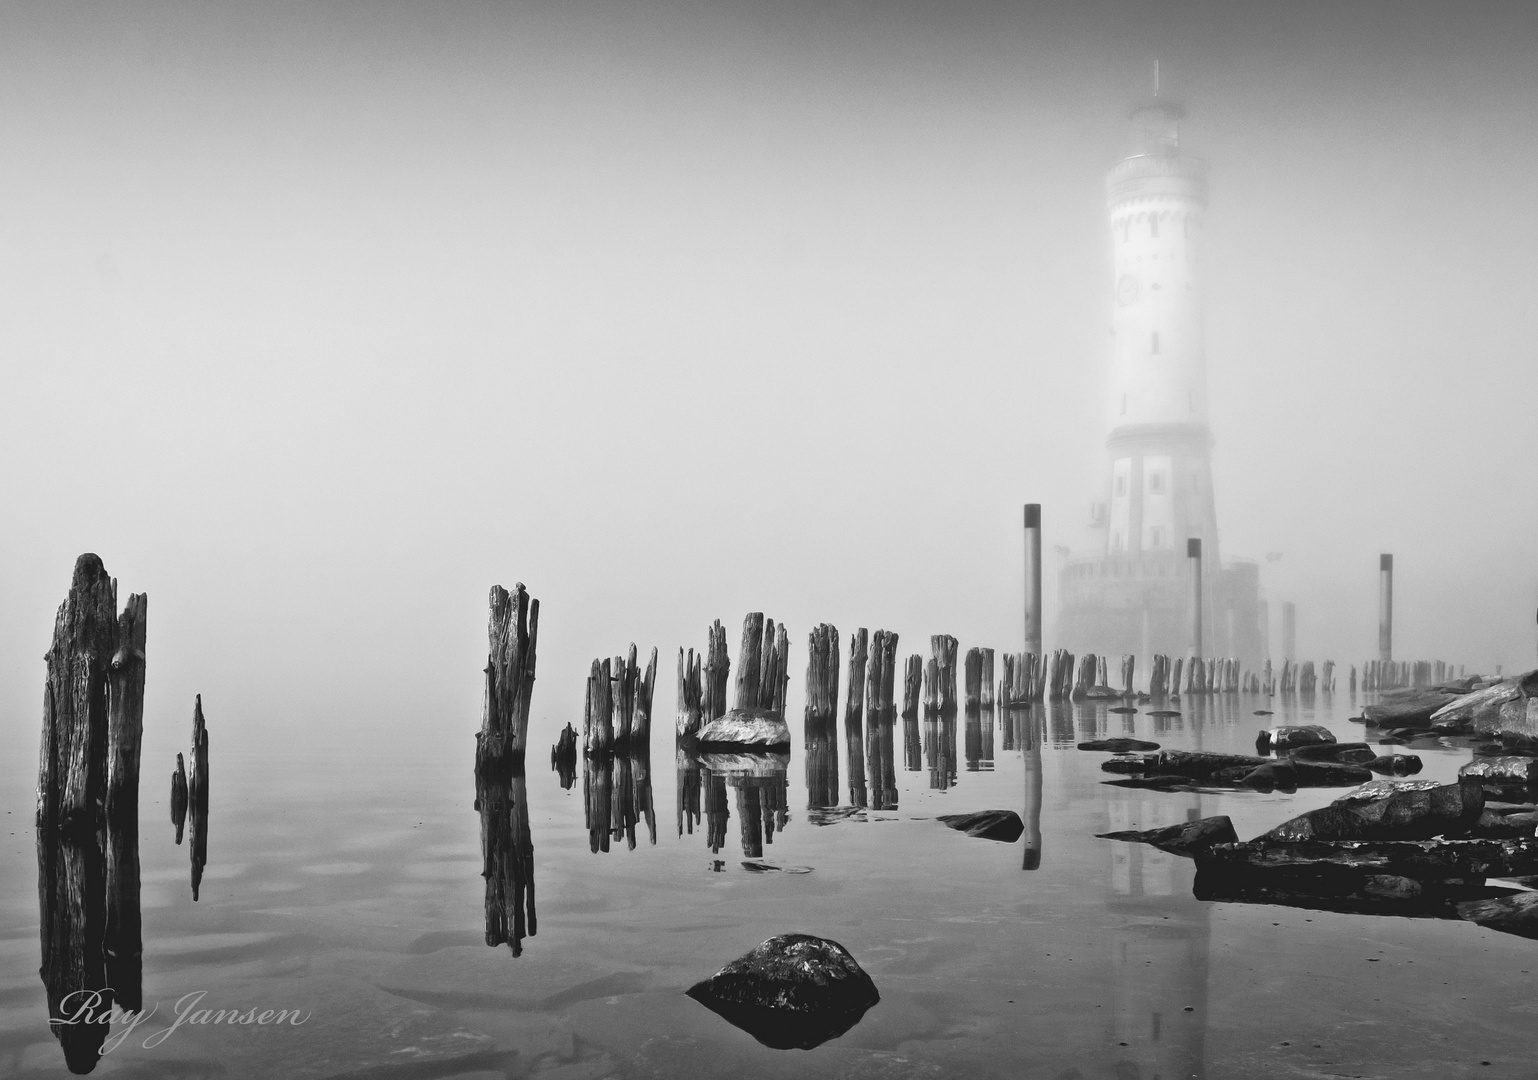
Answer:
(319, 322)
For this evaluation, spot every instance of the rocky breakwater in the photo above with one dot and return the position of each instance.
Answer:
(1411, 848)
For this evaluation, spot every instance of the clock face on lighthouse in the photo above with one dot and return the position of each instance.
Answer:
(1126, 290)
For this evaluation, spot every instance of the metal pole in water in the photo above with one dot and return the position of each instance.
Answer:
(1385, 608)
(1194, 560)
(1033, 578)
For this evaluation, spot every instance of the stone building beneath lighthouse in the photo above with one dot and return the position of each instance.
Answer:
(1132, 594)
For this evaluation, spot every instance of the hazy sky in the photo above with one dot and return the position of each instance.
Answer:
(316, 320)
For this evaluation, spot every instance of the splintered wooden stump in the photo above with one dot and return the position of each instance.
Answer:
(87, 809)
(513, 631)
(854, 735)
(689, 693)
(179, 797)
(197, 798)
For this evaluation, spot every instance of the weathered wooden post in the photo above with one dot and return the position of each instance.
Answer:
(71, 806)
(689, 693)
(1033, 577)
(881, 681)
(1128, 661)
(1386, 608)
(854, 734)
(125, 732)
(718, 666)
(913, 677)
(179, 797)
(821, 729)
(986, 678)
(514, 635)
(942, 649)
(197, 797)
(1194, 569)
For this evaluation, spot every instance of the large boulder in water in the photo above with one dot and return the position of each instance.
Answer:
(794, 991)
(1410, 707)
(1003, 825)
(1483, 709)
(743, 729)
(1405, 813)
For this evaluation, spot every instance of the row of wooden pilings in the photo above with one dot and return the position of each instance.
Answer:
(1393, 674)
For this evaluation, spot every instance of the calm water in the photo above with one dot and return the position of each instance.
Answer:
(349, 886)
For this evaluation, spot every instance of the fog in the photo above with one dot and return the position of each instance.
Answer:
(319, 320)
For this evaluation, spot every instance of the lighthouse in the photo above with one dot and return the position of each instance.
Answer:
(1130, 594)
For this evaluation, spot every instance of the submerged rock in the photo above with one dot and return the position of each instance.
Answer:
(1514, 914)
(1119, 746)
(1186, 838)
(1402, 814)
(746, 728)
(1002, 825)
(1345, 860)
(794, 991)
(1281, 739)
(1396, 764)
(1355, 753)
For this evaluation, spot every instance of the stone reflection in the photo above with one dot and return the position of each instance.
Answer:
(507, 855)
(617, 796)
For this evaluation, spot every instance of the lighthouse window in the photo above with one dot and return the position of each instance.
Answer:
(1156, 342)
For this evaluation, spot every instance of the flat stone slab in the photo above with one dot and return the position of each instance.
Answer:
(1002, 825)
(794, 991)
(1119, 746)
(1186, 838)
(1405, 813)
(746, 728)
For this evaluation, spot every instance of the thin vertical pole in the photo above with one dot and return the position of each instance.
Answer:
(1385, 608)
(1194, 560)
(1033, 578)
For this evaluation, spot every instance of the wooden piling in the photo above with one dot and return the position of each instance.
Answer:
(179, 797)
(854, 733)
(197, 797)
(514, 633)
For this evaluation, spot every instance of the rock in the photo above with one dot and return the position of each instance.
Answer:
(1131, 763)
(1119, 746)
(1272, 776)
(770, 763)
(1504, 826)
(1374, 790)
(1164, 712)
(1263, 712)
(794, 991)
(742, 728)
(1517, 742)
(1002, 825)
(1480, 710)
(1154, 783)
(1514, 914)
(1422, 860)
(1186, 838)
(1121, 709)
(1502, 770)
(1412, 706)
(1328, 773)
(1364, 893)
(1396, 764)
(1281, 739)
(1413, 814)
(1098, 693)
(1199, 764)
(1352, 753)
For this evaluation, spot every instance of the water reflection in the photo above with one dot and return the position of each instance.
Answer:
(940, 748)
(979, 739)
(759, 784)
(617, 796)
(1027, 726)
(507, 856)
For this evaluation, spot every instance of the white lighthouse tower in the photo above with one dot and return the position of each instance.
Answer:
(1160, 489)
(1130, 596)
